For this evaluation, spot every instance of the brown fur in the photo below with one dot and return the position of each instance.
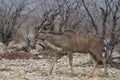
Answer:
(72, 42)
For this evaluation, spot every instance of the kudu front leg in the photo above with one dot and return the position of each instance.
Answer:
(52, 65)
(70, 62)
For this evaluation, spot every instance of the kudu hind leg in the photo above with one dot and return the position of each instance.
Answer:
(104, 62)
(52, 65)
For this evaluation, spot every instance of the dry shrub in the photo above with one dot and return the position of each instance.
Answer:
(18, 55)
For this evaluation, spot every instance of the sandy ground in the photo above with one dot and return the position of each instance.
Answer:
(39, 70)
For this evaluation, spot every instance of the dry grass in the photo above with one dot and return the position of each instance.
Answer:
(34, 69)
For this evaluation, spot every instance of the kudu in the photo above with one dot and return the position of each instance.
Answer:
(72, 42)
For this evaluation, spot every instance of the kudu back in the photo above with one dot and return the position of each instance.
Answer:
(72, 42)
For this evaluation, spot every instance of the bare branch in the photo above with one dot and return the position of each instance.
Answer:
(93, 22)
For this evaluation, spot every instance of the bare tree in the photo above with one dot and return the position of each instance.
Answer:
(92, 19)
(66, 14)
(10, 12)
(110, 9)
(115, 33)
(69, 16)
(13, 14)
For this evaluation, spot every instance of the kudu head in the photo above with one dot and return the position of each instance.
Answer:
(43, 35)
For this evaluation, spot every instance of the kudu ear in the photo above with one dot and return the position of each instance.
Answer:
(43, 31)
